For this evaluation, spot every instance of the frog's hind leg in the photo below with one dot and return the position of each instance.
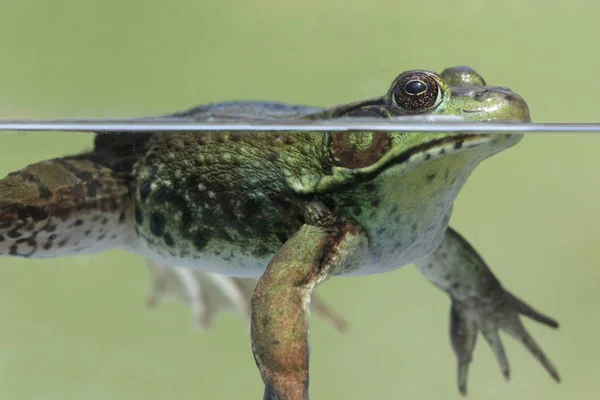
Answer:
(207, 294)
(63, 206)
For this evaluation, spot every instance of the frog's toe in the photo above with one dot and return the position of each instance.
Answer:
(463, 335)
(515, 328)
(205, 293)
(500, 311)
(208, 294)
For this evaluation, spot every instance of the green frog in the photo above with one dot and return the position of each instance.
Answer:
(260, 219)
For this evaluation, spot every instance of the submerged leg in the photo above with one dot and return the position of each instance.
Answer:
(207, 294)
(480, 303)
(280, 316)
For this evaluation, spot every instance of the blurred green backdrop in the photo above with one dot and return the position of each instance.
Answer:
(77, 328)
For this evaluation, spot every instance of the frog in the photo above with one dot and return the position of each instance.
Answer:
(256, 221)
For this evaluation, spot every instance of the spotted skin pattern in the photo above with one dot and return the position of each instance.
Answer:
(213, 212)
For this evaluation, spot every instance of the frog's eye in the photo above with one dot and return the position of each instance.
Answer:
(358, 149)
(416, 92)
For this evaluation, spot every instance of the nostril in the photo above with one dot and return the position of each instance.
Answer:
(480, 95)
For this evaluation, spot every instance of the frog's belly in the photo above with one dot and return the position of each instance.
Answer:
(228, 260)
(391, 247)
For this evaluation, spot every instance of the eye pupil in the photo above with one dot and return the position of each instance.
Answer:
(416, 92)
(415, 87)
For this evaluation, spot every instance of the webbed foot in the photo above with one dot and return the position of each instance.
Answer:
(498, 310)
(480, 304)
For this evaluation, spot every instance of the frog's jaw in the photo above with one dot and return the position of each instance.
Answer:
(411, 151)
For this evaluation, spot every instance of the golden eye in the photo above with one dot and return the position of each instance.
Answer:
(416, 92)
(358, 149)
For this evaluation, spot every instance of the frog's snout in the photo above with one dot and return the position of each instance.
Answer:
(494, 104)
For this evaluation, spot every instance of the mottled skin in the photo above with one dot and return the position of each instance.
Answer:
(292, 209)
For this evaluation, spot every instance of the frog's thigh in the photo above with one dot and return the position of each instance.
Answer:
(280, 318)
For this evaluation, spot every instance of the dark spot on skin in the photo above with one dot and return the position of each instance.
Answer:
(281, 236)
(122, 217)
(251, 207)
(1, 238)
(63, 242)
(78, 222)
(275, 342)
(288, 139)
(113, 237)
(427, 157)
(458, 145)
(431, 177)
(370, 187)
(87, 233)
(50, 228)
(443, 151)
(14, 234)
(101, 237)
(375, 202)
(96, 218)
(92, 187)
(200, 240)
(104, 221)
(281, 202)
(36, 213)
(273, 156)
(169, 240)
(51, 237)
(145, 189)
(446, 174)
(157, 224)
(414, 227)
(455, 286)
(47, 245)
(45, 193)
(235, 137)
(139, 217)
(357, 210)
(13, 250)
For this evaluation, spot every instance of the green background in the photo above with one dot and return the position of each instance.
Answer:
(77, 328)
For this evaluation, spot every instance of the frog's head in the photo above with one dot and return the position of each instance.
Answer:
(458, 91)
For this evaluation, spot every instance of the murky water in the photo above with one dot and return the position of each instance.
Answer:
(78, 327)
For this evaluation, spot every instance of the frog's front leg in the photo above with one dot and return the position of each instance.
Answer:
(479, 303)
(280, 303)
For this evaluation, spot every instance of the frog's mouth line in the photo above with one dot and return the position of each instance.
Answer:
(446, 146)
(471, 111)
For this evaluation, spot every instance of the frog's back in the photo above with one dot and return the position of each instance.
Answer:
(82, 203)
(224, 202)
